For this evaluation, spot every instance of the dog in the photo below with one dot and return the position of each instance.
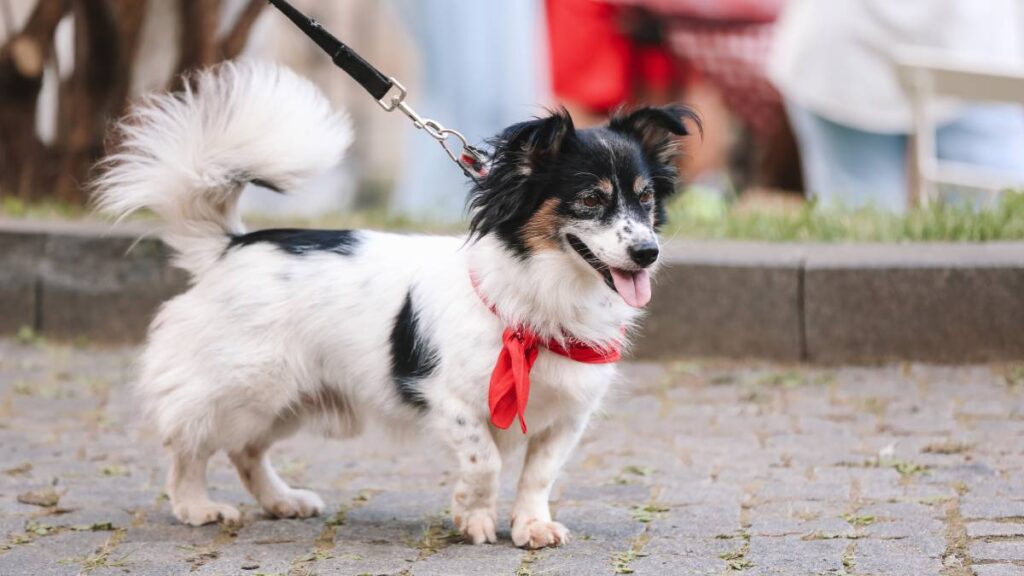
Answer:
(333, 329)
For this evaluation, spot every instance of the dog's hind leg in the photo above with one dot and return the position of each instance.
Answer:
(186, 486)
(273, 494)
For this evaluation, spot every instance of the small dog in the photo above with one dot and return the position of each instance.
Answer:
(335, 328)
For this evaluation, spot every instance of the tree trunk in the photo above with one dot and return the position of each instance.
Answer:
(24, 161)
(129, 15)
(107, 35)
(234, 42)
(199, 20)
(86, 100)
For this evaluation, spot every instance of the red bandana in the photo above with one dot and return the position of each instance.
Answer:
(510, 381)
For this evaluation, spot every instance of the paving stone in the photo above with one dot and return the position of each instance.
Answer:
(470, 561)
(684, 556)
(581, 557)
(907, 528)
(168, 558)
(57, 554)
(684, 485)
(999, 487)
(271, 557)
(998, 570)
(991, 508)
(601, 523)
(983, 529)
(699, 520)
(789, 555)
(893, 558)
(827, 527)
(984, 407)
(895, 511)
(368, 558)
(610, 493)
(699, 492)
(1009, 550)
(284, 530)
(801, 489)
(950, 472)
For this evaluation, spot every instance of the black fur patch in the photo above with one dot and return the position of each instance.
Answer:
(413, 358)
(299, 242)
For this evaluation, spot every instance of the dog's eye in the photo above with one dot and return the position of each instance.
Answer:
(646, 196)
(593, 200)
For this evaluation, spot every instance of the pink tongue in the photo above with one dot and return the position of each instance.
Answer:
(634, 287)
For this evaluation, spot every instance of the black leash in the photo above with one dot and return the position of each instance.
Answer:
(470, 159)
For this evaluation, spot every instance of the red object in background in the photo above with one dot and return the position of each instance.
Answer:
(734, 59)
(593, 63)
(725, 42)
(722, 11)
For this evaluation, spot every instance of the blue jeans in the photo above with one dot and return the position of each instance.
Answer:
(479, 75)
(848, 168)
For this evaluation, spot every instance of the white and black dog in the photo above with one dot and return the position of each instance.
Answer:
(335, 328)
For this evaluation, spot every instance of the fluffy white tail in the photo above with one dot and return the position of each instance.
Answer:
(187, 156)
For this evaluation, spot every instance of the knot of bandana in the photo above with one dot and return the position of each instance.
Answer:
(510, 381)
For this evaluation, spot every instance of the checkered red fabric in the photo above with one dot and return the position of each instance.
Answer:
(711, 10)
(724, 42)
(733, 57)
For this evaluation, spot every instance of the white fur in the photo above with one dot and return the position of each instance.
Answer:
(187, 156)
(266, 341)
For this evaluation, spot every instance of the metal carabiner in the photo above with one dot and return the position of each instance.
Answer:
(471, 160)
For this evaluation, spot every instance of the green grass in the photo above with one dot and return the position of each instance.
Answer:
(694, 216)
(16, 208)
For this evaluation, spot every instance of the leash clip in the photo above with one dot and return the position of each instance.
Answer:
(392, 93)
(469, 158)
(390, 104)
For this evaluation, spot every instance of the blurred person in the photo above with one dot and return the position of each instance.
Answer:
(711, 54)
(603, 56)
(834, 63)
(481, 70)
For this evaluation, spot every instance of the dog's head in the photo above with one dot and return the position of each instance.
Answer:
(595, 195)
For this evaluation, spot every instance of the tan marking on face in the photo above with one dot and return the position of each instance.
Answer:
(638, 187)
(605, 185)
(541, 230)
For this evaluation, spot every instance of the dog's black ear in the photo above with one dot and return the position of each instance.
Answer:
(531, 144)
(656, 128)
(520, 156)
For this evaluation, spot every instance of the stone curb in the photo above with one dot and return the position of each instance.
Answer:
(867, 303)
(864, 303)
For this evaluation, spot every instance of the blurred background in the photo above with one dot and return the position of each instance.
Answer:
(838, 120)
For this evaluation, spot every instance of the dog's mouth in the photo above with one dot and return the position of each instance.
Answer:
(634, 286)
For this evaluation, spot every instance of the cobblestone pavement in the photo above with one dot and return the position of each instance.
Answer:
(695, 469)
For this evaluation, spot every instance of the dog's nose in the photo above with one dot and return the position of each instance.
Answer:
(644, 254)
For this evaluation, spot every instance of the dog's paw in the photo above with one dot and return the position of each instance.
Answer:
(478, 525)
(295, 504)
(206, 512)
(533, 533)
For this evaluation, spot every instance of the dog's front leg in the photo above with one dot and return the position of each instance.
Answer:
(546, 452)
(475, 501)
